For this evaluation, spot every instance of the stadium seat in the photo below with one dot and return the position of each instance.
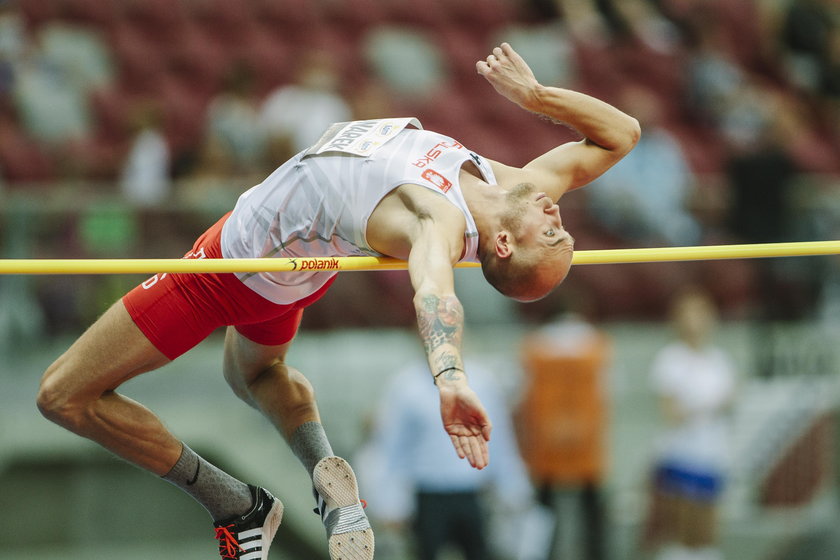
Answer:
(479, 14)
(21, 159)
(289, 20)
(226, 22)
(160, 20)
(110, 108)
(93, 13)
(462, 49)
(427, 14)
(36, 13)
(269, 59)
(355, 15)
(183, 116)
(198, 62)
(140, 61)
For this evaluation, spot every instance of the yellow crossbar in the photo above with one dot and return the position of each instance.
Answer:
(604, 256)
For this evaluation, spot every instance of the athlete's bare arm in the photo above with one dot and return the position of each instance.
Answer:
(440, 319)
(431, 230)
(609, 134)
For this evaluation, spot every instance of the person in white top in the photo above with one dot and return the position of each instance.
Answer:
(431, 203)
(695, 381)
(294, 115)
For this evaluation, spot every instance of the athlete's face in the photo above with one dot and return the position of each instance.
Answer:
(534, 219)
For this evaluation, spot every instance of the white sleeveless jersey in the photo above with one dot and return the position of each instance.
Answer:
(318, 203)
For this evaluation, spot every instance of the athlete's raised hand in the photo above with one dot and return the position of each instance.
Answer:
(510, 75)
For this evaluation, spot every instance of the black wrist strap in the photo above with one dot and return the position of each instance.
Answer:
(434, 378)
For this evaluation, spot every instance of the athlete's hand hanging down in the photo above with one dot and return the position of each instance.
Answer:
(466, 422)
(510, 75)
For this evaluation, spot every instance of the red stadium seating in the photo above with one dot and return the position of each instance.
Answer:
(21, 159)
(93, 13)
(160, 20)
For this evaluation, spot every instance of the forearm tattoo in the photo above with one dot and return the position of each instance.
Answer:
(446, 360)
(441, 323)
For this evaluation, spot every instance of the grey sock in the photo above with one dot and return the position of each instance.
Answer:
(221, 495)
(309, 443)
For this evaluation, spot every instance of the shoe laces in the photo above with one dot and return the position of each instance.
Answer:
(228, 545)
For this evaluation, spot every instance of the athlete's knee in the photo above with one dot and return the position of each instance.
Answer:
(57, 400)
(240, 379)
(236, 383)
(277, 372)
(298, 387)
(297, 402)
(281, 378)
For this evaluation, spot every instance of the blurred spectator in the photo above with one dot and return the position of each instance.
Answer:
(713, 76)
(645, 197)
(695, 382)
(211, 186)
(145, 178)
(643, 21)
(7, 76)
(12, 45)
(759, 168)
(417, 481)
(830, 76)
(584, 21)
(390, 50)
(80, 52)
(808, 31)
(371, 99)
(561, 422)
(60, 66)
(12, 33)
(770, 143)
(828, 222)
(3, 119)
(233, 121)
(547, 49)
(295, 115)
(52, 109)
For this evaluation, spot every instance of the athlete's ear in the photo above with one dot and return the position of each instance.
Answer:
(503, 245)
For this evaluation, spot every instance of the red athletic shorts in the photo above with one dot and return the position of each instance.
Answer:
(177, 311)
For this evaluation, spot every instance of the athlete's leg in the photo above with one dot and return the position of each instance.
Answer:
(78, 392)
(259, 375)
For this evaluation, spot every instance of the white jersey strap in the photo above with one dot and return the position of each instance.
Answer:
(360, 138)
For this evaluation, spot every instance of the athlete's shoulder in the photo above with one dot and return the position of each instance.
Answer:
(506, 174)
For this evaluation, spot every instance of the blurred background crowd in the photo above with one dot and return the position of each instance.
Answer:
(127, 127)
(159, 104)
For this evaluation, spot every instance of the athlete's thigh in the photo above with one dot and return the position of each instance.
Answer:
(110, 352)
(245, 359)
